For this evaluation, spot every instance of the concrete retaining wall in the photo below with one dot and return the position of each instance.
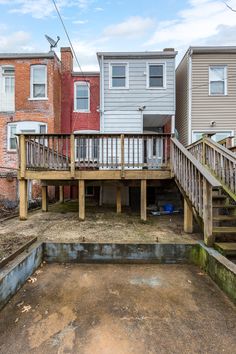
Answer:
(117, 253)
(15, 274)
(218, 267)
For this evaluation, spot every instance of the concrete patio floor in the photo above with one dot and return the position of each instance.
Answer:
(101, 225)
(118, 309)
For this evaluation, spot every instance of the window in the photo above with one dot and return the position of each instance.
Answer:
(216, 137)
(119, 76)
(89, 191)
(218, 80)
(87, 149)
(24, 127)
(8, 74)
(12, 137)
(156, 76)
(82, 96)
(38, 82)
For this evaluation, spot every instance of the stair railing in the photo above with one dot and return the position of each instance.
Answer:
(196, 184)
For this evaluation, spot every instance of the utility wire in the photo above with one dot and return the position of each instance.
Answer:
(73, 51)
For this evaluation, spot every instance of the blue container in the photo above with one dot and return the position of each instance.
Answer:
(168, 207)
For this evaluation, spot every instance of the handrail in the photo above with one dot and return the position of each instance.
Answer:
(222, 148)
(207, 175)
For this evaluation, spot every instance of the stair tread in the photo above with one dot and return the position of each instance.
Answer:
(224, 229)
(219, 197)
(224, 218)
(230, 206)
(227, 248)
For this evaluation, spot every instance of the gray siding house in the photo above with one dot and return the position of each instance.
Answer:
(137, 91)
(206, 93)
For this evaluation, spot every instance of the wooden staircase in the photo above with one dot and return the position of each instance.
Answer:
(221, 163)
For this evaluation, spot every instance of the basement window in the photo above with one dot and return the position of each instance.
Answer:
(38, 82)
(218, 80)
(82, 97)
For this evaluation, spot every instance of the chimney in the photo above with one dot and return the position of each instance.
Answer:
(66, 59)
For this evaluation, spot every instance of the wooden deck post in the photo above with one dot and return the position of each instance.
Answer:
(81, 200)
(122, 146)
(61, 194)
(207, 213)
(72, 155)
(44, 198)
(143, 200)
(23, 193)
(188, 218)
(118, 199)
(22, 156)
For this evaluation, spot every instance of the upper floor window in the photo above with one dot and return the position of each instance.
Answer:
(218, 80)
(38, 82)
(119, 76)
(156, 76)
(8, 74)
(82, 96)
(12, 136)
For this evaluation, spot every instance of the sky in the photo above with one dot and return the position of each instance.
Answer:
(116, 25)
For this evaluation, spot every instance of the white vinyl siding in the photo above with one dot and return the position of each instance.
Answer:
(7, 88)
(81, 96)
(218, 80)
(38, 82)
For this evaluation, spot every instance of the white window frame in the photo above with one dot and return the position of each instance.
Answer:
(31, 83)
(148, 64)
(115, 63)
(81, 83)
(33, 126)
(225, 79)
(211, 132)
(4, 76)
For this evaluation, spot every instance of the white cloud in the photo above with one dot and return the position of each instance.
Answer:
(14, 42)
(80, 22)
(204, 19)
(99, 9)
(132, 27)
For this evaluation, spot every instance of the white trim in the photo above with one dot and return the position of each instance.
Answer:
(116, 63)
(224, 66)
(30, 125)
(195, 131)
(147, 75)
(81, 83)
(189, 93)
(32, 98)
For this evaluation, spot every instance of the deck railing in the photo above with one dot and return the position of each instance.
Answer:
(94, 151)
(220, 161)
(196, 183)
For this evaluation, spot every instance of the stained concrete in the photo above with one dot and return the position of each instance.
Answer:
(118, 309)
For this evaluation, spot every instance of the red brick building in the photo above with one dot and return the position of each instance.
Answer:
(30, 101)
(80, 97)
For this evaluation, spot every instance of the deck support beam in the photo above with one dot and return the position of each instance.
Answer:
(81, 200)
(44, 198)
(23, 193)
(143, 200)
(188, 218)
(61, 194)
(118, 199)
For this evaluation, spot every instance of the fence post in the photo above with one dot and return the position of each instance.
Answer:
(207, 213)
(204, 150)
(72, 155)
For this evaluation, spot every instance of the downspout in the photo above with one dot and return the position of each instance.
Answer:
(102, 96)
(190, 97)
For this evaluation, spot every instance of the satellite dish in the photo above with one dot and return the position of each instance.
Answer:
(51, 41)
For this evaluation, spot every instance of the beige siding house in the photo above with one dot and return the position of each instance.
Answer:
(206, 93)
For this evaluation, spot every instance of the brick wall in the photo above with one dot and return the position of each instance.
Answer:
(70, 120)
(44, 111)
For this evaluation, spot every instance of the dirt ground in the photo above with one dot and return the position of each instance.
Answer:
(101, 225)
(118, 309)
